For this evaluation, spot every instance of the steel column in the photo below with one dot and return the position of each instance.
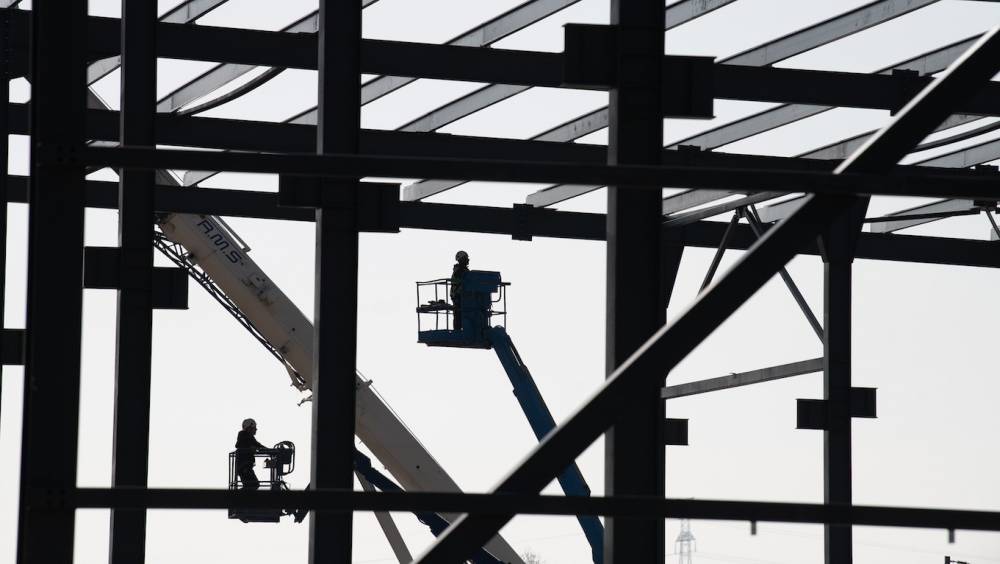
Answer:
(837, 261)
(634, 450)
(134, 342)
(4, 141)
(335, 318)
(55, 279)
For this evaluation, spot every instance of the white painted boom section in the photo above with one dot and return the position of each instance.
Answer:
(215, 249)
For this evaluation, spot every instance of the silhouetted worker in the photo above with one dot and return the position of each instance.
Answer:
(246, 447)
(457, 276)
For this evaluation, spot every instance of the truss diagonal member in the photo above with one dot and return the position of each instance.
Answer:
(185, 12)
(719, 252)
(674, 341)
(743, 378)
(768, 53)
(754, 220)
(993, 223)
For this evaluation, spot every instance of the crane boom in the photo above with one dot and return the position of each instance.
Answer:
(218, 254)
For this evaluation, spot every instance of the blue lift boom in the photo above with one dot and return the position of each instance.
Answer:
(477, 315)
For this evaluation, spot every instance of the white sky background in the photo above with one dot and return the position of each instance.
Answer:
(923, 334)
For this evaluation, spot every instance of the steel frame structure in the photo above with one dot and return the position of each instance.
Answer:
(62, 50)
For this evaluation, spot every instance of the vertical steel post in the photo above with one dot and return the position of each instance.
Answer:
(336, 310)
(837, 268)
(134, 339)
(55, 280)
(633, 447)
(4, 140)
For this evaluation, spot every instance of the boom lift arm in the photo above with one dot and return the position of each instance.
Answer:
(471, 326)
(542, 423)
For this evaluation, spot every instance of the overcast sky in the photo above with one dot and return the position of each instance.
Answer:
(923, 335)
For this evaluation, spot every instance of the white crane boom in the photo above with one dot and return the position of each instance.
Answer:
(217, 251)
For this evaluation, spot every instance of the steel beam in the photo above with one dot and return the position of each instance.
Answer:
(827, 31)
(185, 12)
(969, 156)
(871, 246)
(336, 303)
(843, 149)
(664, 508)
(507, 221)
(134, 338)
(480, 36)
(676, 14)
(962, 158)
(674, 341)
(743, 379)
(221, 75)
(906, 183)
(190, 10)
(766, 54)
(688, 218)
(940, 206)
(926, 64)
(55, 280)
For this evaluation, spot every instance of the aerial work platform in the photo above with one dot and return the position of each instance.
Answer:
(465, 326)
(477, 321)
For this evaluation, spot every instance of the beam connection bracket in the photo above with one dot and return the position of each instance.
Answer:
(593, 54)
(812, 413)
(12, 347)
(378, 202)
(675, 432)
(104, 269)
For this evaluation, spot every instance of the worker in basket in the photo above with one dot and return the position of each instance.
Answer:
(458, 273)
(246, 447)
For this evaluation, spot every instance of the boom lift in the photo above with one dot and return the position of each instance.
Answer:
(218, 260)
(279, 461)
(478, 331)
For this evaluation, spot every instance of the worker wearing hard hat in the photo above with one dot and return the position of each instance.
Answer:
(457, 276)
(246, 447)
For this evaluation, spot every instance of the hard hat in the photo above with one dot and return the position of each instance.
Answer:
(247, 423)
(461, 255)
